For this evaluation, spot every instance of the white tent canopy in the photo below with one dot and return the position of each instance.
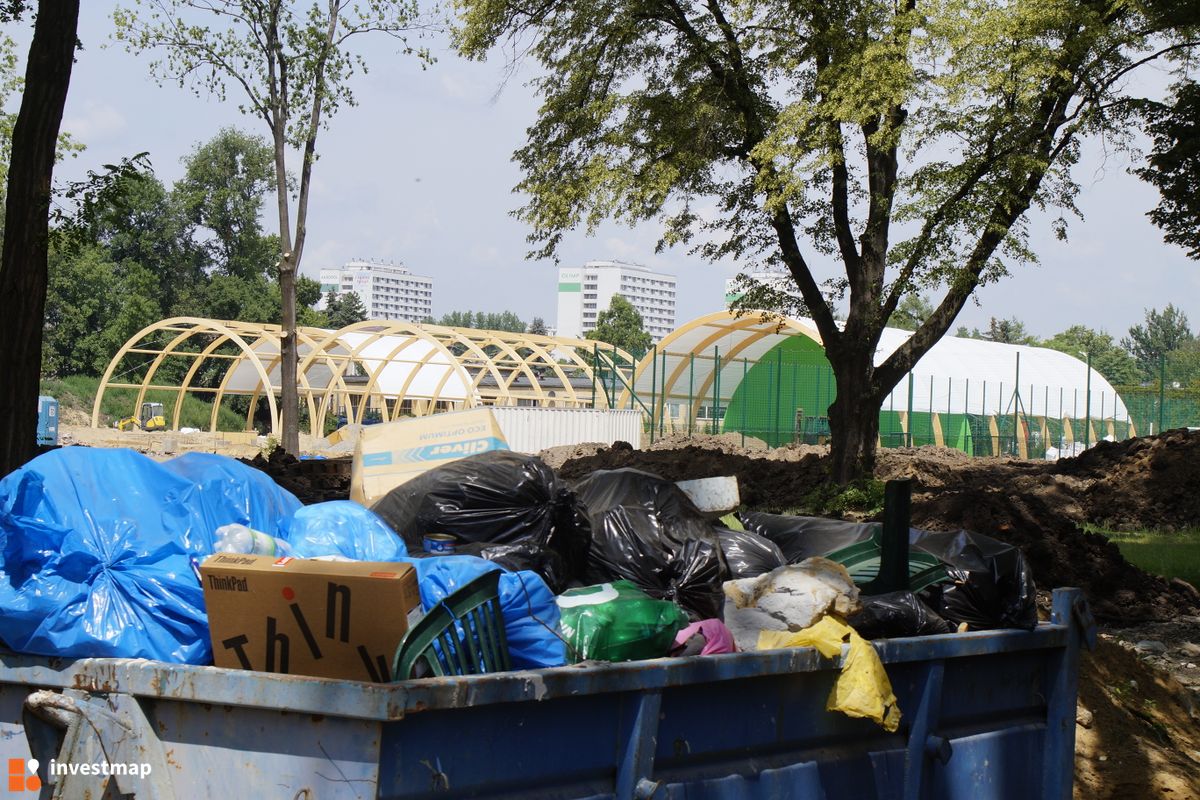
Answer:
(956, 376)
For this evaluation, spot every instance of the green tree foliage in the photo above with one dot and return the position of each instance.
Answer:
(1163, 332)
(1173, 166)
(292, 63)
(911, 313)
(1116, 365)
(906, 140)
(1009, 331)
(484, 321)
(128, 252)
(1005, 331)
(537, 326)
(93, 306)
(621, 324)
(344, 309)
(225, 183)
(1183, 365)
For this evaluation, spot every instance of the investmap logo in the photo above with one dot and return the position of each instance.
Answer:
(22, 775)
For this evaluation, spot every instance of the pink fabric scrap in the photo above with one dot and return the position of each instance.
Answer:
(717, 638)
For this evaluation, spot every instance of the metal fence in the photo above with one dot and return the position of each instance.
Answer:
(782, 401)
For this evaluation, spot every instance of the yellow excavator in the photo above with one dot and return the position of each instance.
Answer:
(150, 419)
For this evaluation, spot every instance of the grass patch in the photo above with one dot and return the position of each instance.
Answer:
(863, 497)
(1172, 555)
(78, 392)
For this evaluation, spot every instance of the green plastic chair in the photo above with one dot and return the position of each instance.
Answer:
(462, 635)
(862, 561)
(884, 562)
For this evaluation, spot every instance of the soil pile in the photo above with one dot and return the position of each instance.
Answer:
(312, 480)
(1144, 483)
(1039, 506)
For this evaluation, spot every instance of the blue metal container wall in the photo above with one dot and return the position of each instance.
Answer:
(986, 715)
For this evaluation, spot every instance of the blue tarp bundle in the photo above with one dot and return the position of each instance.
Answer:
(97, 548)
(347, 529)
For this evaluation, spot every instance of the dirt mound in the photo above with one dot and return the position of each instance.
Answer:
(1144, 483)
(763, 483)
(1038, 506)
(311, 480)
(1136, 733)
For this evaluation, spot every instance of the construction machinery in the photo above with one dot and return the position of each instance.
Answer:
(149, 419)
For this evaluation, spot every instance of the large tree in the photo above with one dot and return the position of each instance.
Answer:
(291, 61)
(1164, 332)
(26, 222)
(906, 139)
(1116, 365)
(620, 324)
(224, 187)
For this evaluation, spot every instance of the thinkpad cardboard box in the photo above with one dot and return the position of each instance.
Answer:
(391, 453)
(330, 619)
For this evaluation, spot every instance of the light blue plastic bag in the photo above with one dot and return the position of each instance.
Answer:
(343, 528)
(527, 604)
(97, 549)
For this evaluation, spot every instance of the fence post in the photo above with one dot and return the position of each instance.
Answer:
(745, 372)
(1162, 390)
(662, 409)
(908, 437)
(1087, 404)
(612, 397)
(1017, 408)
(716, 387)
(653, 388)
(778, 394)
(595, 367)
(931, 436)
(691, 390)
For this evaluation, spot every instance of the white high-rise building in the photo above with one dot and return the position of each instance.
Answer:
(779, 281)
(583, 292)
(387, 291)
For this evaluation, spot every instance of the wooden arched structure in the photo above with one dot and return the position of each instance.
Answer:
(393, 368)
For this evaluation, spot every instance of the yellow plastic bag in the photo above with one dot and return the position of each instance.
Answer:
(863, 688)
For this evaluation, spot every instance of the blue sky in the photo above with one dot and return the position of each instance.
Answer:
(420, 173)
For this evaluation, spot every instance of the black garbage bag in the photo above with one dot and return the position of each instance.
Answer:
(547, 563)
(895, 614)
(991, 585)
(748, 554)
(499, 497)
(646, 530)
(804, 537)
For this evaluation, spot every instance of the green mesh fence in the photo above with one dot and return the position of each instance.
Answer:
(784, 397)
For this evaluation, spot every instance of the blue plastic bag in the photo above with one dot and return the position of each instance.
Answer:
(343, 528)
(530, 613)
(97, 549)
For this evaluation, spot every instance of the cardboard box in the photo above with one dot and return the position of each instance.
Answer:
(331, 619)
(391, 453)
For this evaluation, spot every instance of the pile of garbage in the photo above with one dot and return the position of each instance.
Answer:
(102, 551)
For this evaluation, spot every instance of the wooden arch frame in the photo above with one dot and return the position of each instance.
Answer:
(746, 329)
(487, 364)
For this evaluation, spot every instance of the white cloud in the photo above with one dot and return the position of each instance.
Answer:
(98, 121)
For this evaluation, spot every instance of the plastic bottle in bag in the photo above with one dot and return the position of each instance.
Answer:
(237, 538)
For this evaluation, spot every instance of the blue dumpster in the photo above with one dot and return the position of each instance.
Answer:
(986, 715)
(47, 429)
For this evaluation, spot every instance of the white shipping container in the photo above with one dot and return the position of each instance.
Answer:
(532, 429)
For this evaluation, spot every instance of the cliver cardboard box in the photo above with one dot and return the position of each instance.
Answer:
(391, 453)
(330, 619)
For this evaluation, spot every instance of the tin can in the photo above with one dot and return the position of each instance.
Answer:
(439, 544)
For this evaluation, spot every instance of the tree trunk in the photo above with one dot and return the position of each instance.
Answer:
(853, 426)
(289, 397)
(26, 225)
